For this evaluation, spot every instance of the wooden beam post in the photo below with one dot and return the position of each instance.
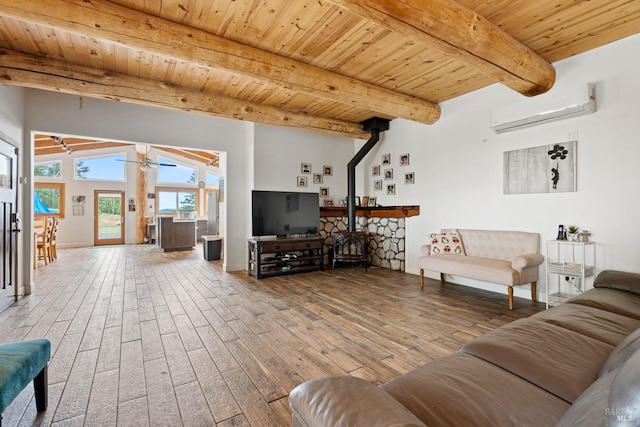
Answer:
(463, 35)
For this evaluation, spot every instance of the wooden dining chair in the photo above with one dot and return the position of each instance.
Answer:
(53, 253)
(42, 241)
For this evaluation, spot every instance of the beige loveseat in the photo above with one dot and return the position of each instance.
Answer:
(510, 258)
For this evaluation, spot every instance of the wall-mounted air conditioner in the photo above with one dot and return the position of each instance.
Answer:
(570, 102)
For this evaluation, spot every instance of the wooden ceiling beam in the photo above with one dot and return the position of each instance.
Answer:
(460, 33)
(103, 20)
(204, 158)
(32, 71)
(41, 150)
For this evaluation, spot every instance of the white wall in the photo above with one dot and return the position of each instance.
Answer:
(458, 164)
(12, 112)
(279, 153)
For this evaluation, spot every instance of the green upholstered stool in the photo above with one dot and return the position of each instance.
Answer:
(21, 363)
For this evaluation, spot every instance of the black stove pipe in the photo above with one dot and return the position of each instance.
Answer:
(375, 125)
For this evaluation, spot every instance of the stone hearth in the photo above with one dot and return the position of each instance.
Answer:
(386, 238)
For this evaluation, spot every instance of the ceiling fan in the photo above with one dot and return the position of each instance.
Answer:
(146, 163)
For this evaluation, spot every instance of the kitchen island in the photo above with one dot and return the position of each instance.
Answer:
(175, 234)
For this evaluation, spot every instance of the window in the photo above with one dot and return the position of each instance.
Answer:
(171, 201)
(51, 169)
(48, 199)
(213, 180)
(104, 168)
(178, 174)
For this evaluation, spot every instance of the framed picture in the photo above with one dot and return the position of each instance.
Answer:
(391, 189)
(373, 201)
(302, 181)
(343, 202)
(365, 200)
(357, 200)
(324, 191)
(386, 159)
(375, 170)
(404, 159)
(305, 168)
(388, 173)
(328, 202)
(543, 169)
(377, 185)
(409, 178)
(317, 178)
(78, 210)
(328, 170)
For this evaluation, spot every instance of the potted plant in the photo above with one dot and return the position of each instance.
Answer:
(573, 233)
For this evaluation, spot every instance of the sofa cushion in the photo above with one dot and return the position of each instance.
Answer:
(446, 243)
(347, 401)
(463, 390)
(621, 280)
(623, 351)
(589, 408)
(487, 269)
(499, 244)
(624, 303)
(624, 399)
(556, 359)
(613, 400)
(593, 322)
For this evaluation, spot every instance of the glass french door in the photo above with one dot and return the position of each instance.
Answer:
(108, 222)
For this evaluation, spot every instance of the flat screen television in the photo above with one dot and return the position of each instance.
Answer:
(284, 213)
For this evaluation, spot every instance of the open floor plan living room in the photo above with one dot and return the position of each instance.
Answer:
(420, 212)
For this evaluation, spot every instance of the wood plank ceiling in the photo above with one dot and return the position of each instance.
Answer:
(322, 65)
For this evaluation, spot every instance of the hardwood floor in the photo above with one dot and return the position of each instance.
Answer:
(141, 337)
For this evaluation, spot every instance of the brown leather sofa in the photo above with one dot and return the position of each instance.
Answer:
(577, 364)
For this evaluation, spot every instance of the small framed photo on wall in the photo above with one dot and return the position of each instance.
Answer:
(328, 170)
(305, 167)
(409, 178)
(391, 189)
(302, 181)
(375, 170)
(404, 159)
(388, 173)
(317, 178)
(386, 159)
(324, 191)
(377, 185)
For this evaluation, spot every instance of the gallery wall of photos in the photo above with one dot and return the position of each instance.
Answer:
(383, 176)
(309, 176)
